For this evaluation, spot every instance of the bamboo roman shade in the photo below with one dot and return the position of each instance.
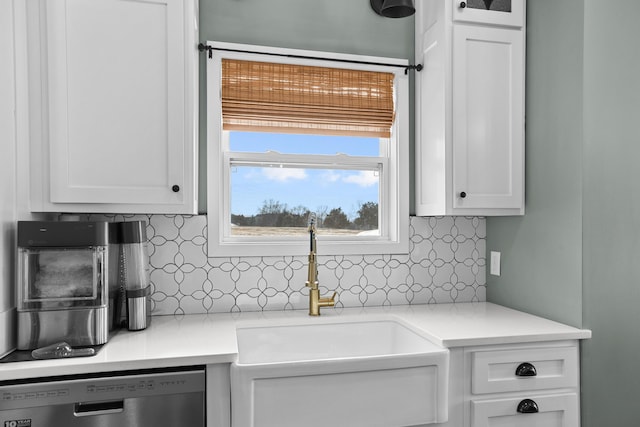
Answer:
(286, 98)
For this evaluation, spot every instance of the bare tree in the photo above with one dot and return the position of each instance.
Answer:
(321, 213)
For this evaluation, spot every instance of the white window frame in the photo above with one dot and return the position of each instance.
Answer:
(394, 184)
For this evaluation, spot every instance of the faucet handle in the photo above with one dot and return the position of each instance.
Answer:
(330, 300)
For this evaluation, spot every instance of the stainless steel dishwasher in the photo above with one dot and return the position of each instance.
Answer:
(150, 398)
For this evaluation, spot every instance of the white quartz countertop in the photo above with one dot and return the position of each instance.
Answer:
(209, 339)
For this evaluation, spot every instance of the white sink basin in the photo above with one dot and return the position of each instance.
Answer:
(352, 374)
(328, 341)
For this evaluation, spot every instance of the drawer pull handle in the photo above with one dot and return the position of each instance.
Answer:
(526, 369)
(528, 406)
(98, 408)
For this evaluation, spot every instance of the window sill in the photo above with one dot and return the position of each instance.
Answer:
(300, 246)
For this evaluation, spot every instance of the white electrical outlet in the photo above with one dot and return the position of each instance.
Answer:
(495, 263)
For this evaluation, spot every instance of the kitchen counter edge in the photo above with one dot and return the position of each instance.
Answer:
(205, 339)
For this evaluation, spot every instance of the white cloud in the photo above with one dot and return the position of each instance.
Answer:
(330, 176)
(363, 179)
(284, 174)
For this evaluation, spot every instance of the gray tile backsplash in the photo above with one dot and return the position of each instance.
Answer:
(446, 263)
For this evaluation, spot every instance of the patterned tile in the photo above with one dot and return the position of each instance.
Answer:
(446, 263)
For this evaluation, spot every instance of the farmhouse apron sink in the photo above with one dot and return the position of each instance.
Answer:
(352, 374)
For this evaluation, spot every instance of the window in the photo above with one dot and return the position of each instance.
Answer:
(289, 134)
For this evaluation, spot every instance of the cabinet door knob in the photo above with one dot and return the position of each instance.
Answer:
(463, 194)
(528, 406)
(463, 5)
(526, 369)
(175, 188)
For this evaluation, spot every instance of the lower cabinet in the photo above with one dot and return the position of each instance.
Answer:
(515, 385)
(218, 395)
(524, 385)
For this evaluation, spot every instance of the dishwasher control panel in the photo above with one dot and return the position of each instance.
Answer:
(130, 386)
(35, 394)
(103, 388)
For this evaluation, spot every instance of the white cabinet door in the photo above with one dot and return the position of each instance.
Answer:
(121, 128)
(488, 116)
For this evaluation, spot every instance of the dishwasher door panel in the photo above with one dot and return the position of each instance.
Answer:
(153, 411)
(154, 398)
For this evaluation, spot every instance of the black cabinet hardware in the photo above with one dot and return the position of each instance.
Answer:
(526, 369)
(528, 406)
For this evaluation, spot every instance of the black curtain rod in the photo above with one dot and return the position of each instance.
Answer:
(202, 47)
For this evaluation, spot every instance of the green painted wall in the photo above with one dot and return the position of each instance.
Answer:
(577, 249)
(611, 212)
(345, 26)
(542, 251)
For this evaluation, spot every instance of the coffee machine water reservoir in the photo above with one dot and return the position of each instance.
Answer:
(133, 275)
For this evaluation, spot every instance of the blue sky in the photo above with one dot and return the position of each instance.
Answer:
(307, 187)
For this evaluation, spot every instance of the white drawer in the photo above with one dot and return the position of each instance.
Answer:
(475, 11)
(494, 371)
(552, 410)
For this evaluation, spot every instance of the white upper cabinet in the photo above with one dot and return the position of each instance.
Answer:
(120, 92)
(488, 117)
(469, 110)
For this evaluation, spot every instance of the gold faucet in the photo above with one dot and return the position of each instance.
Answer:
(315, 302)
